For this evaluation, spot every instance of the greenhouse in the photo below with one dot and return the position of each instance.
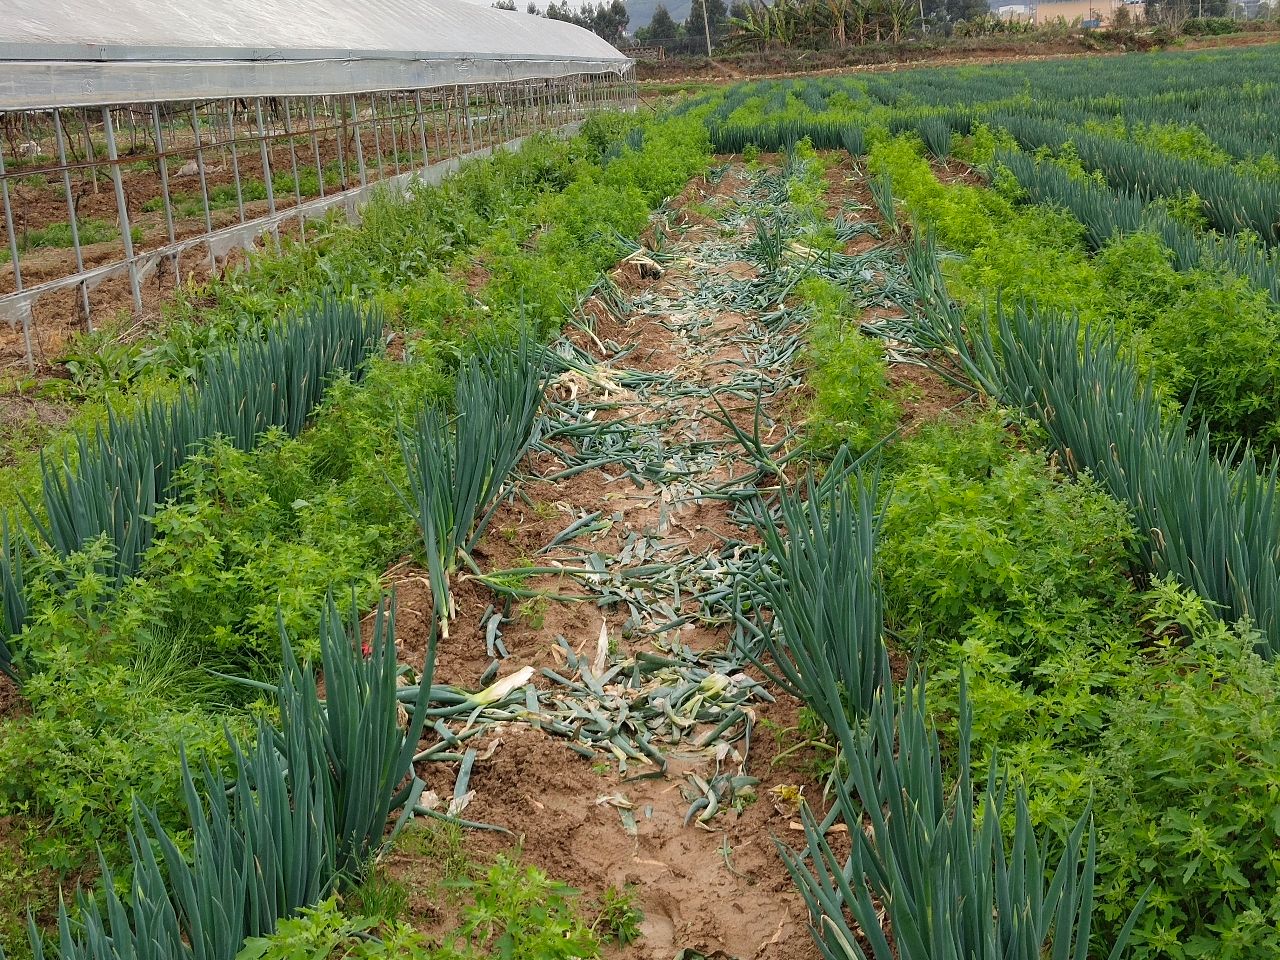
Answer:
(142, 143)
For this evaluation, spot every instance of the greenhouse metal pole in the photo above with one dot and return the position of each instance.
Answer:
(164, 185)
(8, 223)
(340, 138)
(17, 270)
(315, 141)
(466, 114)
(355, 126)
(293, 165)
(377, 140)
(122, 204)
(395, 144)
(235, 157)
(266, 174)
(71, 213)
(422, 127)
(88, 150)
(204, 184)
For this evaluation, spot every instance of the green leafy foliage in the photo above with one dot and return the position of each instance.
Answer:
(853, 405)
(619, 918)
(1017, 570)
(1217, 344)
(1173, 318)
(507, 912)
(305, 807)
(120, 474)
(323, 933)
(1172, 482)
(252, 534)
(1163, 163)
(983, 546)
(1191, 748)
(1152, 731)
(517, 912)
(253, 539)
(108, 712)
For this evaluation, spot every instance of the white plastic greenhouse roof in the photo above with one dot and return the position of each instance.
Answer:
(90, 52)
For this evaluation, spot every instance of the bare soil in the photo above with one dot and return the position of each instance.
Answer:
(719, 888)
(732, 68)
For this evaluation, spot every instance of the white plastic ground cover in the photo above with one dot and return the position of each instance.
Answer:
(62, 53)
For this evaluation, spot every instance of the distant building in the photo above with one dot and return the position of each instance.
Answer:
(1093, 13)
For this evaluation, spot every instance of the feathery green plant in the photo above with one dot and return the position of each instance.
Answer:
(117, 475)
(1212, 522)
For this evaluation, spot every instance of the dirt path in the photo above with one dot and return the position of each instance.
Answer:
(682, 791)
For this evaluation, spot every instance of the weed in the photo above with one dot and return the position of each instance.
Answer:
(853, 404)
(518, 912)
(545, 510)
(619, 918)
(379, 896)
(534, 611)
(323, 932)
(444, 843)
(58, 235)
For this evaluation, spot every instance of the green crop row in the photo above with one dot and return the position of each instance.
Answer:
(1232, 201)
(1108, 214)
(1201, 333)
(996, 569)
(300, 815)
(113, 481)
(116, 679)
(1151, 702)
(929, 873)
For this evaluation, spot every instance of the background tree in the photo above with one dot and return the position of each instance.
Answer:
(895, 18)
(607, 20)
(717, 20)
(1171, 14)
(966, 10)
(663, 25)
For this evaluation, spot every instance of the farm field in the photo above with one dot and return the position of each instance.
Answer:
(824, 518)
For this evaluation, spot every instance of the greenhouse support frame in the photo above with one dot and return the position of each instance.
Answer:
(154, 192)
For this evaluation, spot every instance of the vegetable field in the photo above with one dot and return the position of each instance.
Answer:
(827, 518)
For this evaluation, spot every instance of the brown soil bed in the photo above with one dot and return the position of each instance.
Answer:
(719, 888)
(733, 68)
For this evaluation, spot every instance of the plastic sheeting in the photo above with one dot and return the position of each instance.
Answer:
(90, 52)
